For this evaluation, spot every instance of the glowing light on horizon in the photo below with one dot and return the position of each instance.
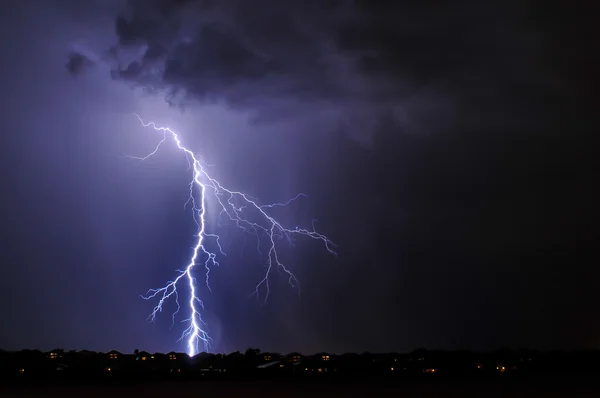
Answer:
(236, 206)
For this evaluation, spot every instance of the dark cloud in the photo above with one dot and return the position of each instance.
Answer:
(479, 62)
(78, 63)
(242, 58)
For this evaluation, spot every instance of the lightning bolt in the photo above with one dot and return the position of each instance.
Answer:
(246, 214)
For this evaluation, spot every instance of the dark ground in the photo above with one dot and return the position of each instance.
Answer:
(557, 386)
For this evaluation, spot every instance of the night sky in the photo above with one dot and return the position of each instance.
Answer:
(448, 149)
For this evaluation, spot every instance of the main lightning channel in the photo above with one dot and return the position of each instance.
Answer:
(236, 206)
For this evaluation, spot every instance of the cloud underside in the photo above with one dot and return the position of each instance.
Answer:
(466, 62)
(77, 63)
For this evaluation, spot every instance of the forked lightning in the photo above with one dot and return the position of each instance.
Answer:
(242, 210)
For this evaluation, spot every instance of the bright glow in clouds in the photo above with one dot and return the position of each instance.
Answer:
(247, 215)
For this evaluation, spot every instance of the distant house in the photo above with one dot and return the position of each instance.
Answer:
(294, 357)
(114, 355)
(143, 356)
(270, 356)
(319, 363)
(324, 356)
(159, 356)
(55, 354)
(86, 359)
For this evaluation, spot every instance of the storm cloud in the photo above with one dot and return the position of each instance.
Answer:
(77, 63)
(432, 66)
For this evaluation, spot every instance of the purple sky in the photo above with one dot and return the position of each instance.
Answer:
(449, 151)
